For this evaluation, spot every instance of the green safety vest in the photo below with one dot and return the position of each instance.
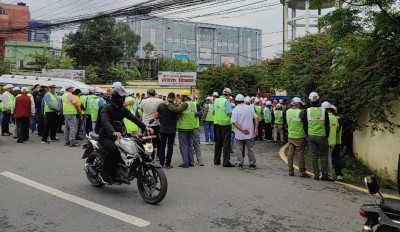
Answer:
(278, 117)
(339, 133)
(295, 125)
(316, 121)
(187, 118)
(54, 101)
(267, 119)
(258, 112)
(196, 119)
(68, 107)
(130, 126)
(87, 104)
(84, 102)
(94, 108)
(10, 102)
(210, 113)
(333, 124)
(221, 117)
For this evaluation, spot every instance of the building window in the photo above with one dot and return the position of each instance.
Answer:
(8, 53)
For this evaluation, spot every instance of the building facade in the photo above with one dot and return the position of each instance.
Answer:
(17, 52)
(40, 34)
(206, 44)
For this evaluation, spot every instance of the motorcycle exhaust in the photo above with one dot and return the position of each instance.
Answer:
(89, 169)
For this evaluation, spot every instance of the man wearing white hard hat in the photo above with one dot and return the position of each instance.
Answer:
(222, 122)
(23, 110)
(7, 103)
(333, 125)
(279, 122)
(245, 121)
(318, 133)
(70, 110)
(116, 85)
(209, 121)
(258, 110)
(94, 105)
(297, 133)
(267, 117)
(52, 108)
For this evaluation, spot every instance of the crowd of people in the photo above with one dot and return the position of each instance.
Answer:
(231, 123)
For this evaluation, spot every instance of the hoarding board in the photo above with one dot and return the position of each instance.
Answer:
(177, 78)
(181, 56)
(64, 73)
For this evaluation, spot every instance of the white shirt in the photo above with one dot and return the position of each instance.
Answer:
(244, 115)
(149, 106)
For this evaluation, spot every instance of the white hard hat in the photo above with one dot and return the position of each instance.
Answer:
(85, 91)
(278, 105)
(62, 90)
(209, 98)
(233, 105)
(98, 90)
(9, 86)
(227, 91)
(247, 99)
(296, 100)
(281, 101)
(231, 98)
(313, 97)
(16, 89)
(117, 84)
(67, 86)
(52, 84)
(24, 89)
(326, 105)
(256, 101)
(239, 98)
(92, 89)
(334, 108)
(268, 103)
(129, 92)
(215, 94)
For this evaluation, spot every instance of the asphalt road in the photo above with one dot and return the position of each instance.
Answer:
(209, 198)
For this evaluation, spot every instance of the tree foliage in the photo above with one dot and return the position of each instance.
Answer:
(130, 40)
(148, 48)
(39, 59)
(176, 65)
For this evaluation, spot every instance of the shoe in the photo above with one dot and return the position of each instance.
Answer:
(305, 175)
(239, 166)
(229, 165)
(105, 178)
(200, 163)
(291, 174)
(275, 142)
(54, 140)
(253, 167)
(191, 165)
(316, 178)
(217, 163)
(5, 134)
(74, 145)
(45, 142)
(326, 179)
(20, 141)
(169, 166)
(36, 132)
(339, 178)
(183, 166)
(66, 144)
(15, 137)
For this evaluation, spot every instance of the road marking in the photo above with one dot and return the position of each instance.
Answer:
(284, 159)
(79, 201)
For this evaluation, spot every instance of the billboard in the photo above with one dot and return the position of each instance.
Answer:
(64, 73)
(227, 60)
(177, 78)
(205, 53)
(181, 56)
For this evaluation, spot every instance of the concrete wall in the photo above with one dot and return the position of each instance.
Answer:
(379, 152)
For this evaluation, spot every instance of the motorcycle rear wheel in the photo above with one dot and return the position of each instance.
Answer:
(384, 228)
(95, 159)
(154, 189)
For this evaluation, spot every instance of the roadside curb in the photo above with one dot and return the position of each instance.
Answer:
(284, 159)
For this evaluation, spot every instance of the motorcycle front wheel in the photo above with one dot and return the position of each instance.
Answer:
(384, 228)
(154, 186)
(95, 160)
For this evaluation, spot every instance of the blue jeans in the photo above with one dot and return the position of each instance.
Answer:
(185, 147)
(5, 125)
(232, 140)
(33, 123)
(166, 138)
(209, 131)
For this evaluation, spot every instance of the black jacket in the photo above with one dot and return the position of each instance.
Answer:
(109, 114)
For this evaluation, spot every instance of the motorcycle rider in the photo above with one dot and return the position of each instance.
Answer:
(110, 113)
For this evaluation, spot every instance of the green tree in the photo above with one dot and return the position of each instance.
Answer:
(40, 59)
(60, 62)
(176, 65)
(130, 39)
(148, 48)
(96, 42)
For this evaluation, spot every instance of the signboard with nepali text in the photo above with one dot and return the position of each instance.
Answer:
(64, 73)
(177, 78)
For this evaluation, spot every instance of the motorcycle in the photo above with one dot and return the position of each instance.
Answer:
(136, 154)
(383, 216)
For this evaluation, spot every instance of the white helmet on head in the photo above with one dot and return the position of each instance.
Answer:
(67, 86)
(247, 100)
(16, 89)
(62, 90)
(227, 91)
(239, 98)
(117, 84)
(334, 108)
(326, 105)
(268, 103)
(85, 91)
(278, 105)
(129, 92)
(296, 100)
(215, 94)
(256, 101)
(313, 97)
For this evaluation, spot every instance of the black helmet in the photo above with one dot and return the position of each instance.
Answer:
(118, 97)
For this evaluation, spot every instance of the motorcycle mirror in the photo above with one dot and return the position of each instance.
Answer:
(372, 184)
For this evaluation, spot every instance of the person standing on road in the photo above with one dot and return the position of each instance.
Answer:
(34, 93)
(130, 104)
(337, 163)
(333, 125)
(318, 133)
(258, 110)
(245, 131)
(7, 103)
(196, 136)
(209, 121)
(39, 113)
(149, 108)
(23, 110)
(168, 121)
(279, 121)
(297, 133)
(51, 110)
(70, 110)
(185, 125)
(94, 105)
(267, 114)
(222, 122)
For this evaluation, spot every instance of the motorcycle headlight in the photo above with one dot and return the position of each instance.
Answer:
(148, 147)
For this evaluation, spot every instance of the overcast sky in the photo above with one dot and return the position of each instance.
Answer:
(265, 15)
